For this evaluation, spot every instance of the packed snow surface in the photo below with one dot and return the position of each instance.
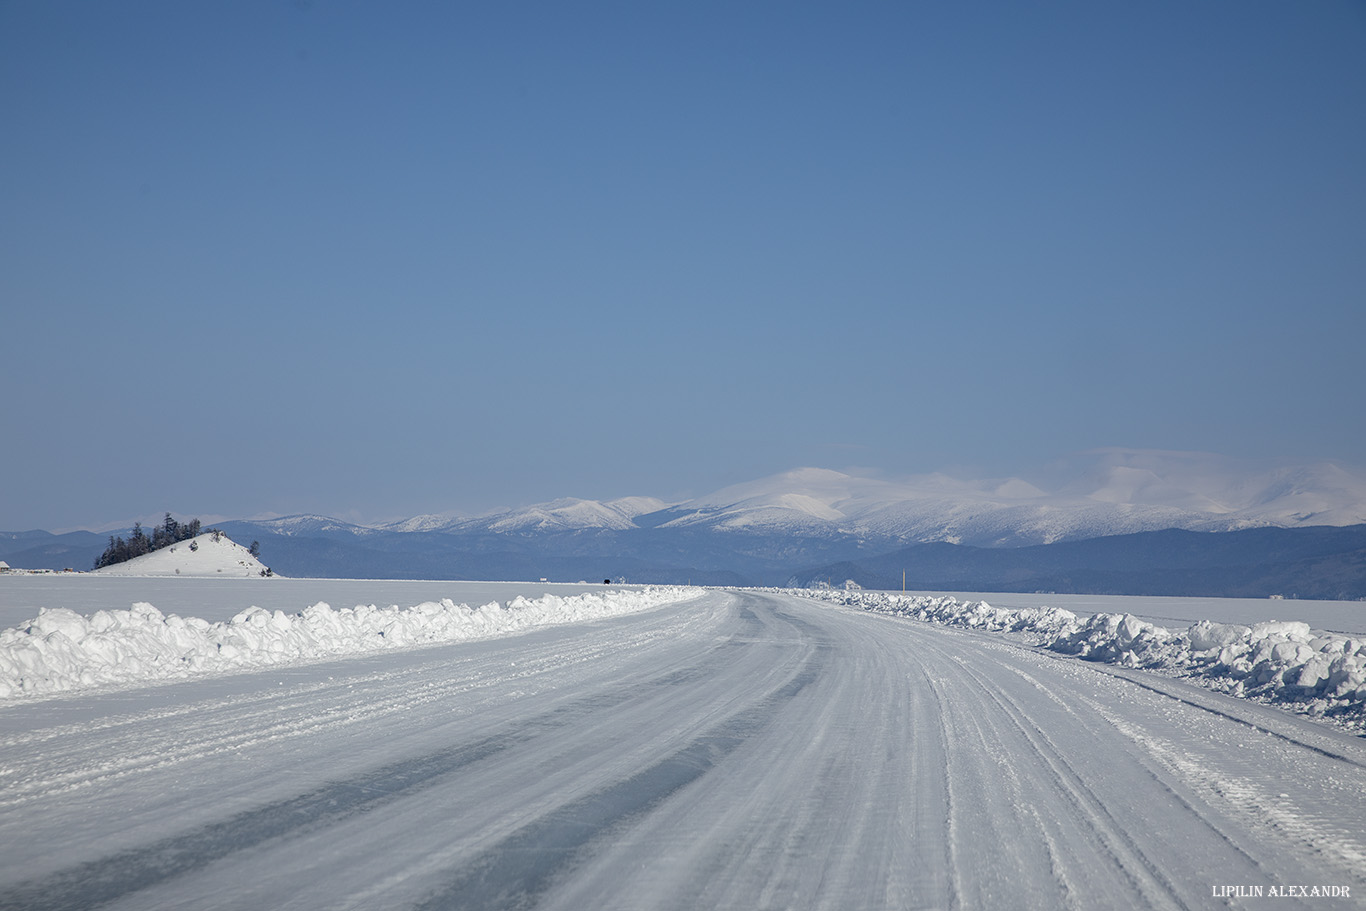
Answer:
(62, 650)
(1284, 662)
(740, 750)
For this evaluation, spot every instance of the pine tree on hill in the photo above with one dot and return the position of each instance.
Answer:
(139, 543)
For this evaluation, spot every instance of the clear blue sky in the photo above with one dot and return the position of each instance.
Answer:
(373, 260)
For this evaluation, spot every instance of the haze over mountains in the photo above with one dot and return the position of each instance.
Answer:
(811, 523)
(1104, 492)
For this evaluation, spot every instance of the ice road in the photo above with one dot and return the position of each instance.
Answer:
(742, 750)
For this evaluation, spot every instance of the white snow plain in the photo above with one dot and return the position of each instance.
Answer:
(738, 750)
(1275, 661)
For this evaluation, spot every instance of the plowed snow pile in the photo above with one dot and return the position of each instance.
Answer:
(1285, 662)
(62, 650)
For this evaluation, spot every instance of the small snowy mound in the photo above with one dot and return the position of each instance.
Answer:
(1282, 662)
(208, 555)
(62, 650)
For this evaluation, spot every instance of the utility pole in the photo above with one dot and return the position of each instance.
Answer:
(903, 581)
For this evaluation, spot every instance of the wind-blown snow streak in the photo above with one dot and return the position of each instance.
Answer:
(1282, 662)
(62, 650)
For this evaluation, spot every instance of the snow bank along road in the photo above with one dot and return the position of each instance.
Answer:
(736, 751)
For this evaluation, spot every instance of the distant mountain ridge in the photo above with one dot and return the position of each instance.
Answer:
(774, 529)
(1096, 494)
(563, 514)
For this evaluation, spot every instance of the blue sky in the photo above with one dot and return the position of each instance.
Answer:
(374, 260)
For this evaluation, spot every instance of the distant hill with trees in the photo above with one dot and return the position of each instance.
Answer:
(139, 542)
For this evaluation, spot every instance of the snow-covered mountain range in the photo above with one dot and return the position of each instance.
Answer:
(809, 522)
(1106, 493)
(565, 514)
(1094, 494)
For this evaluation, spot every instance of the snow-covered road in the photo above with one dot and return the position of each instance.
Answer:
(738, 751)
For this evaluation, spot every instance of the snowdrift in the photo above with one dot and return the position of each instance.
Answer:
(1282, 662)
(62, 650)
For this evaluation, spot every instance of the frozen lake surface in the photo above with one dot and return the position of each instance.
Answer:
(738, 750)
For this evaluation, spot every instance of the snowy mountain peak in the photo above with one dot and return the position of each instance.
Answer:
(434, 522)
(565, 514)
(1016, 489)
(1087, 495)
(207, 556)
(636, 506)
(818, 484)
(308, 525)
(1092, 494)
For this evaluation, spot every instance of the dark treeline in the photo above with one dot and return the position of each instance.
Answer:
(139, 542)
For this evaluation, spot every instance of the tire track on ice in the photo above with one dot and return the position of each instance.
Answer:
(955, 866)
(1144, 756)
(112, 877)
(1256, 806)
(1235, 796)
(1228, 716)
(1130, 860)
(104, 880)
(526, 864)
(229, 726)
